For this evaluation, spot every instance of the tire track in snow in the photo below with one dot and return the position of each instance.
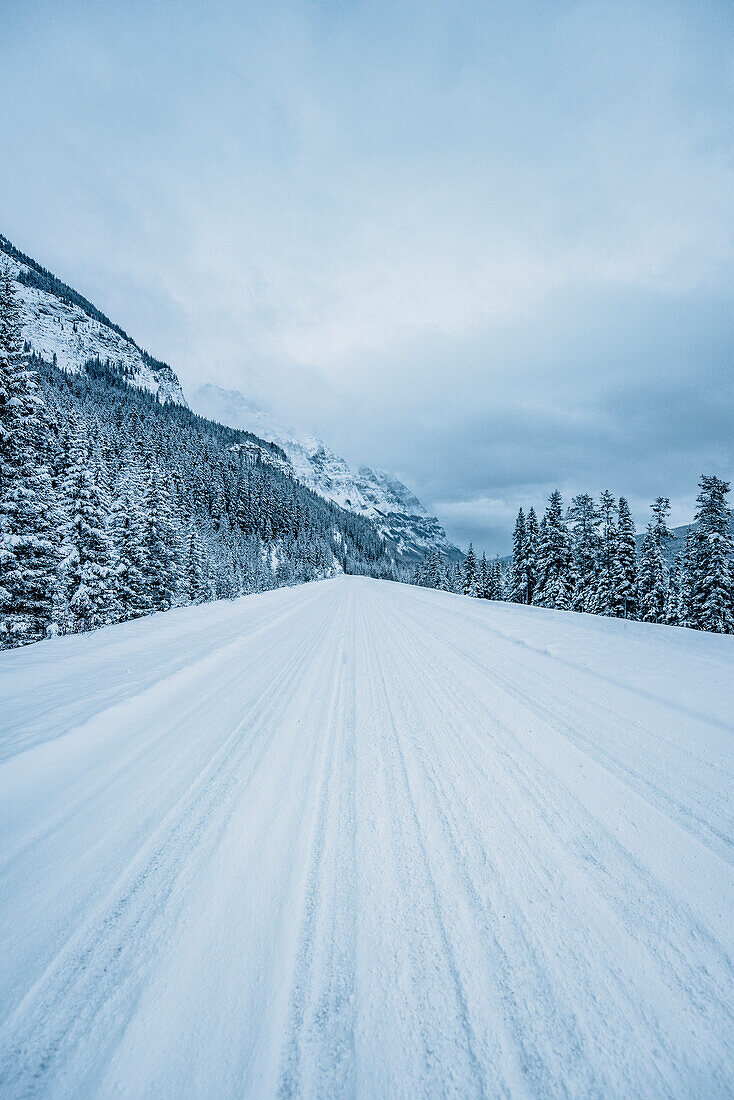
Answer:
(655, 922)
(125, 714)
(13, 746)
(90, 987)
(465, 1079)
(415, 891)
(530, 698)
(520, 1066)
(318, 1052)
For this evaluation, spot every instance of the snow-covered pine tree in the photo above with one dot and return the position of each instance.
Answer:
(442, 573)
(87, 569)
(470, 573)
(555, 572)
(498, 582)
(162, 552)
(436, 570)
(492, 581)
(531, 543)
(606, 574)
(685, 609)
(584, 522)
(127, 529)
(673, 595)
(483, 584)
(28, 519)
(653, 571)
(518, 583)
(625, 565)
(713, 582)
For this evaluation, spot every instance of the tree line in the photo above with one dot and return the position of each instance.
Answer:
(113, 505)
(586, 559)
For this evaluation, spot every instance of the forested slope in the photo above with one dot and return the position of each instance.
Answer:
(114, 505)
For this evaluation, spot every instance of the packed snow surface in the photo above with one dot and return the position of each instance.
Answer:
(357, 838)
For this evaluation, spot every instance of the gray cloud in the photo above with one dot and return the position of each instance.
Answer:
(490, 247)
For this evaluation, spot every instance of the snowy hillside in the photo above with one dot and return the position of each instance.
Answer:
(58, 322)
(362, 839)
(398, 514)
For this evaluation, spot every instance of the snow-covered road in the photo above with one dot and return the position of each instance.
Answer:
(357, 838)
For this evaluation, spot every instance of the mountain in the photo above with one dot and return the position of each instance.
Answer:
(398, 515)
(59, 324)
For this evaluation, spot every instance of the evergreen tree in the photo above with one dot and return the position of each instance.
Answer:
(87, 570)
(127, 529)
(162, 550)
(498, 584)
(625, 565)
(28, 521)
(484, 578)
(470, 573)
(685, 611)
(584, 521)
(673, 596)
(555, 572)
(653, 572)
(606, 566)
(196, 581)
(713, 582)
(531, 543)
(519, 568)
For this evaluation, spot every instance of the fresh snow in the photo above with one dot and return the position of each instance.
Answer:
(359, 838)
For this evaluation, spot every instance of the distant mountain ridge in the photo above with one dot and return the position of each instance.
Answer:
(60, 323)
(398, 514)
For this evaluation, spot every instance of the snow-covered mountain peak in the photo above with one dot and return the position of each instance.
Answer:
(397, 512)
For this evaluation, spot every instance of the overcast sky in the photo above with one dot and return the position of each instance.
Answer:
(487, 246)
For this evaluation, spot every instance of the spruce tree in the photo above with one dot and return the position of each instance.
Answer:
(606, 565)
(196, 581)
(469, 587)
(531, 543)
(127, 530)
(673, 596)
(653, 570)
(162, 557)
(584, 522)
(483, 584)
(685, 613)
(87, 570)
(28, 519)
(555, 572)
(713, 582)
(625, 586)
(519, 569)
(498, 582)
